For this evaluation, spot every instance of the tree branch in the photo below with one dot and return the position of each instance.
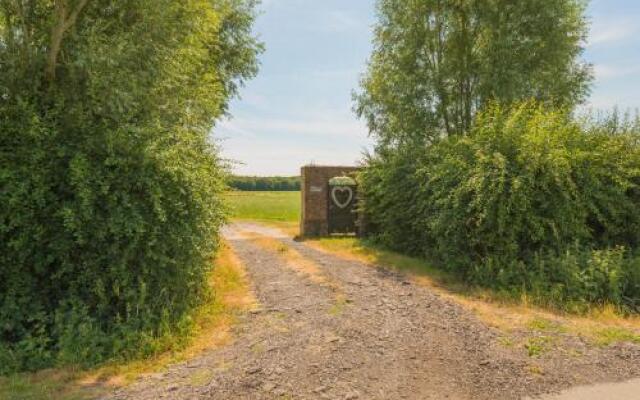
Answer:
(64, 22)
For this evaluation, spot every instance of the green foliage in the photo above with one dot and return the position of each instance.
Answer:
(528, 201)
(265, 183)
(109, 185)
(435, 63)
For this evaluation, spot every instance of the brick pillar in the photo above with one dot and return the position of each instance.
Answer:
(314, 188)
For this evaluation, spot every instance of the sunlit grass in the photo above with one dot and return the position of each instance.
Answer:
(212, 321)
(608, 336)
(264, 206)
(602, 325)
(302, 265)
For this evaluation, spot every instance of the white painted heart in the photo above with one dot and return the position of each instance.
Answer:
(342, 189)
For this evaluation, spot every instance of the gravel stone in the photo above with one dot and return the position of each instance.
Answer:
(379, 345)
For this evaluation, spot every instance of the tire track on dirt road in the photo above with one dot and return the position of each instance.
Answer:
(385, 339)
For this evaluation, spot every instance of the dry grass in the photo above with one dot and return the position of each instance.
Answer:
(303, 266)
(602, 326)
(294, 260)
(292, 229)
(213, 322)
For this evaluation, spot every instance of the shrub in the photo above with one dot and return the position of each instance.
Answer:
(265, 183)
(529, 200)
(109, 185)
(103, 245)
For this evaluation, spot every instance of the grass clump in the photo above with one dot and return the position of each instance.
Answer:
(537, 346)
(337, 308)
(609, 336)
(545, 325)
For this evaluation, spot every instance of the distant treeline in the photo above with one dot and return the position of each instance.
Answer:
(265, 183)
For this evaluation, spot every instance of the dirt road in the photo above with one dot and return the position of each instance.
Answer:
(328, 328)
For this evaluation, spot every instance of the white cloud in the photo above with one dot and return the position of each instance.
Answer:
(322, 124)
(600, 102)
(276, 156)
(605, 72)
(608, 32)
(285, 159)
(280, 146)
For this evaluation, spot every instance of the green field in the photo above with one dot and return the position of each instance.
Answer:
(264, 206)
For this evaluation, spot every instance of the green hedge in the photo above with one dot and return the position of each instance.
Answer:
(529, 201)
(265, 183)
(106, 243)
(110, 186)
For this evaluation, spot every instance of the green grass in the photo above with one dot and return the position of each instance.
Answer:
(609, 336)
(264, 206)
(49, 384)
(537, 346)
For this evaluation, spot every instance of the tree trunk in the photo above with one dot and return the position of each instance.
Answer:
(64, 21)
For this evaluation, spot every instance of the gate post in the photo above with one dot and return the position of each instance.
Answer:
(314, 190)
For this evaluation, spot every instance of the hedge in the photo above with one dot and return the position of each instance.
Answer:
(529, 201)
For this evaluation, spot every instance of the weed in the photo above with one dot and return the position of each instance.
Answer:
(609, 336)
(574, 353)
(545, 325)
(535, 369)
(257, 348)
(536, 346)
(338, 307)
(506, 341)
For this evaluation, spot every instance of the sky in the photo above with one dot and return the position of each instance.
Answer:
(299, 109)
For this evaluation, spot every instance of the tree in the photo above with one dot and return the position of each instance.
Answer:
(435, 63)
(529, 201)
(265, 183)
(109, 183)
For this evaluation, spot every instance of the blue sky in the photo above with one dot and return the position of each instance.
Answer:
(299, 108)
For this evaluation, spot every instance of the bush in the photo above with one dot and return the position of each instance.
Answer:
(529, 200)
(103, 245)
(109, 185)
(265, 183)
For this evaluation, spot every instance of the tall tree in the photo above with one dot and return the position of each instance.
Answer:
(109, 184)
(435, 63)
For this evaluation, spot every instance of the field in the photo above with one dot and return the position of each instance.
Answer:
(264, 206)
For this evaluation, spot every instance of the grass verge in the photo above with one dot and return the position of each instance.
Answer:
(213, 322)
(602, 325)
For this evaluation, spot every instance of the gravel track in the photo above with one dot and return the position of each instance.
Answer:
(371, 334)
